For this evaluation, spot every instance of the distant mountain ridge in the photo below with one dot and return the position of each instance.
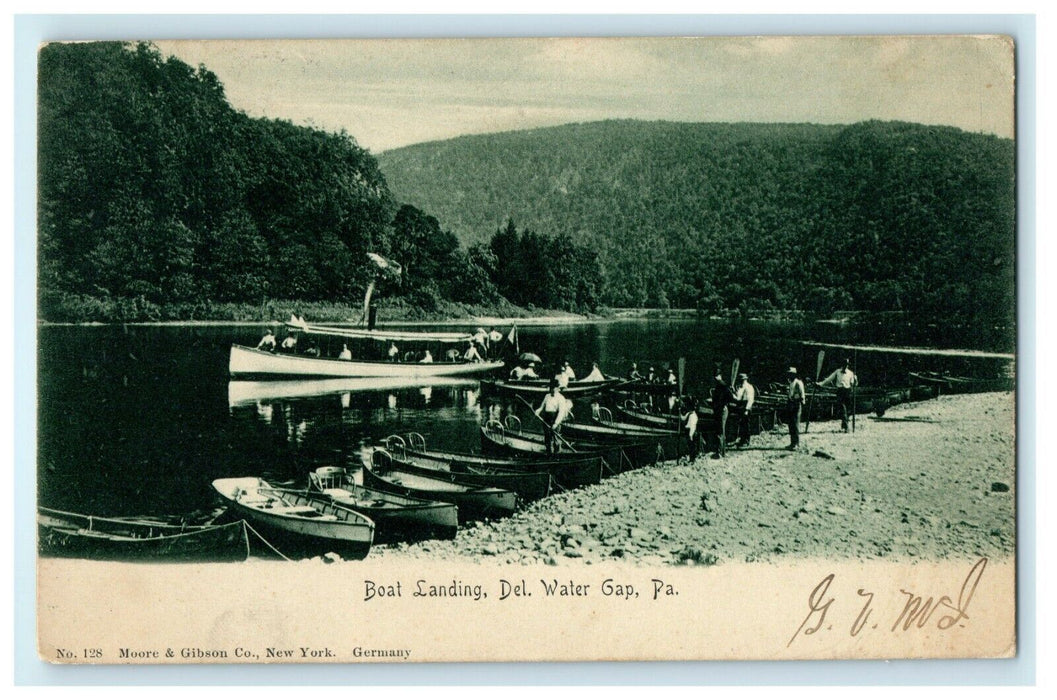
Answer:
(874, 215)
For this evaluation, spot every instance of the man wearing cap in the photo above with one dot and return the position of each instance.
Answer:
(842, 379)
(745, 397)
(721, 399)
(794, 404)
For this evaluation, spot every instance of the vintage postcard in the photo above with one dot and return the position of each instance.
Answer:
(526, 350)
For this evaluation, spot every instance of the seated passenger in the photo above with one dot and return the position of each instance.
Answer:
(471, 354)
(595, 375)
(346, 354)
(393, 352)
(427, 358)
(267, 342)
(289, 343)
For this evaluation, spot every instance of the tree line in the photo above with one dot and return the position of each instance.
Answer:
(874, 216)
(157, 198)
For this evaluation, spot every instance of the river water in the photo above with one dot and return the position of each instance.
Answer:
(139, 420)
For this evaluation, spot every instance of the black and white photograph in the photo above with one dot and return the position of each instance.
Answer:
(526, 349)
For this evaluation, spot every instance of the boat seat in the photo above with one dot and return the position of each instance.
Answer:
(302, 511)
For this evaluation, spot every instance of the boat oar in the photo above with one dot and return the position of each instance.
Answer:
(818, 375)
(854, 386)
(556, 433)
(734, 367)
(682, 374)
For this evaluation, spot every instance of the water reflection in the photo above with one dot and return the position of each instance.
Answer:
(160, 420)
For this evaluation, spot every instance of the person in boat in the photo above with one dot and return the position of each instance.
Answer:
(634, 374)
(472, 354)
(289, 342)
(393, 354)
(568, 373)
(595, 375)
(689, 419)
(494, 339)
(552, 411)
(651, 376)
(267, 342)
(427, 358)
(794, 404)
(744, 397)
(312, 350)
(346, 354)
(480, 337)
(842, 379)
(721, 398)
(672, 381)
(524, 372)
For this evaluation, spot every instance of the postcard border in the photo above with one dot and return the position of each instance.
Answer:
(30, 30)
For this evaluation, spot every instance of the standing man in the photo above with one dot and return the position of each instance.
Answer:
(552, 411)
(745, 396)
(690, 426)
(842, 380)
(721, 400)
(794, 404)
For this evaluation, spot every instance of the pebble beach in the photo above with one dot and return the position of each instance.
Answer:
(933, 479)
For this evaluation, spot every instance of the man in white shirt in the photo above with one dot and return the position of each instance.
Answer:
(552, 411)
(289, 343)
(842, 380)
(794, 404)
(745, 396)
(267, 342)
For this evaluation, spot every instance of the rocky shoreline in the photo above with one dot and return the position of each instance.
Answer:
(933, 479)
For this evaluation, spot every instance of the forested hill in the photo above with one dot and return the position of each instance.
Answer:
(157, 199)
(871, 216)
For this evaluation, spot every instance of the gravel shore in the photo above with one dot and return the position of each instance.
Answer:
(934, 479)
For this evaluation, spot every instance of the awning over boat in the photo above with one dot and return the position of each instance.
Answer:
(384, 334)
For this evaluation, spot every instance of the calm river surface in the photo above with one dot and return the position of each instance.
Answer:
(138, 420)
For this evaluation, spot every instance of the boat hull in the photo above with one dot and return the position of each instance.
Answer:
(73, 535)
(568, 471)
(528, 485)
(617, 457)
(349, 534)
(536, 390)
(474, 502)
(410, 521)
(250, 362)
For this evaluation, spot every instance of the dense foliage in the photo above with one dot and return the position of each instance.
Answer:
(157, 198)
(872, 216)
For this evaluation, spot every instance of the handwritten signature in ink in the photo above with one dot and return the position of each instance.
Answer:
(944, 612)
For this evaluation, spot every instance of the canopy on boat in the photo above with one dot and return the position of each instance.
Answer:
(384, 334)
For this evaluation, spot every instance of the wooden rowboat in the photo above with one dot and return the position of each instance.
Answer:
(530, 390)
(474, 502)
(298, 523)
(62, 534)
(528, 485)
(246, 361)
(496, 440)
(566, 471)
(395, 516)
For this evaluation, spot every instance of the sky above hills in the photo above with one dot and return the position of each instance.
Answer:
(392, 93)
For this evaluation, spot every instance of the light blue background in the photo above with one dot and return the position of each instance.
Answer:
(31, 30)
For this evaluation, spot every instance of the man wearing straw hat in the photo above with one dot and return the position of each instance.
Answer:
(744, 397)
(794, 404)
